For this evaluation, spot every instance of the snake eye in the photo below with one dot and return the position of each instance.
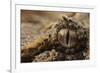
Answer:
(67, 38)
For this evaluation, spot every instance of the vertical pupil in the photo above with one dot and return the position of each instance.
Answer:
(67, 37)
